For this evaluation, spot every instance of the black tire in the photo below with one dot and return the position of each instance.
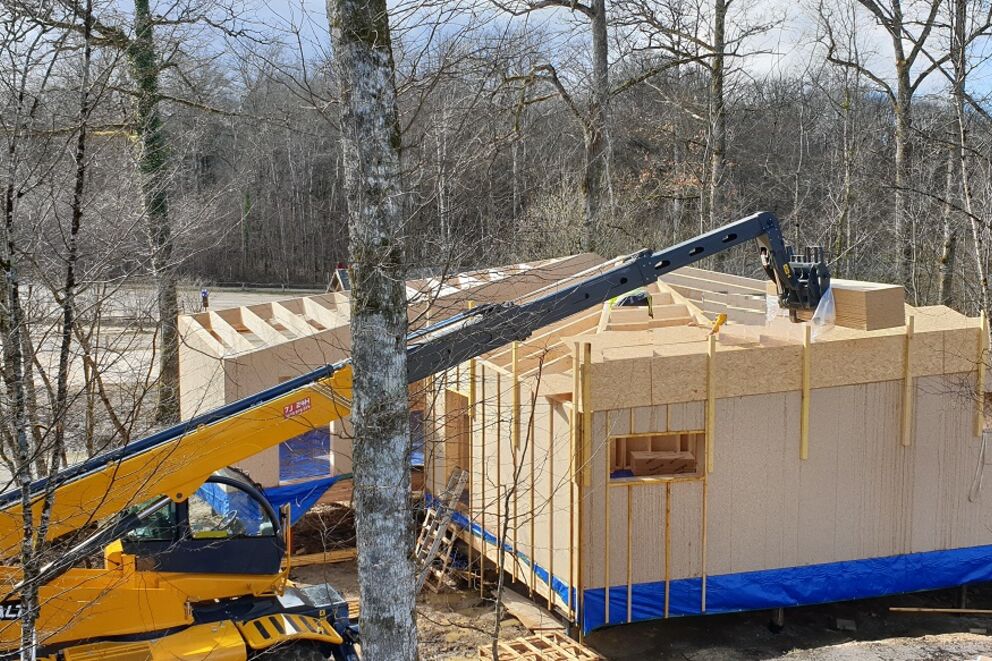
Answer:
(345, 652)
(303, 650)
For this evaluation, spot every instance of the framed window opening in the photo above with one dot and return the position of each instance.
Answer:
(657, 454)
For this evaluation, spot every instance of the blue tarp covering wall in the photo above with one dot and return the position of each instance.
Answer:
(793, 586)
(771, 588)
(302, 496)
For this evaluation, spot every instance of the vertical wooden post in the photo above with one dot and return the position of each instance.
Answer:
(575, 495)
(586, 414)
(471, 458)
(531, 437)
(710, 405)
(515, 443)
(482, 495)
(983, 349)
(908, 395)
(668, 542)
(807, 379)
(551, 505)
(702, 607)
(606, 523)
(630, 552)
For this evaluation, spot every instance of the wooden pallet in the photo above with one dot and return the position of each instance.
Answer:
(545, 646)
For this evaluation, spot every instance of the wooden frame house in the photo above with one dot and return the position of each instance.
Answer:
(628, 463)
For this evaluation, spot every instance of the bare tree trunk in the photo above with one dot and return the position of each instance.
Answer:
(717, 114)
(903, 110)
(959, 89)
(595, 183)
(371, 141)
(153, 161)
(948, 249)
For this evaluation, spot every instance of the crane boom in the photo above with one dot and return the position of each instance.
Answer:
(175, 461)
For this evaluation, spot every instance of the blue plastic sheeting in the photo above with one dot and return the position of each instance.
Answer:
(226, 499)
(306, 455)
(559, 586)
(302, 496)
(793, 586)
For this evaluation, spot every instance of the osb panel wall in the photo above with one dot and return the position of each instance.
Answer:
(860, 494)
(627, 540)
(536, 475)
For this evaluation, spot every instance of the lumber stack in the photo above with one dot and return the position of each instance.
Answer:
(661, 463)
(863, 305)
(868, 305)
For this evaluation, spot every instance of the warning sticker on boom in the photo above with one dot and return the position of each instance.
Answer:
(296, 408)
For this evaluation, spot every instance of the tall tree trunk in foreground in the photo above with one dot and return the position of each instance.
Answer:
(371, 146)
(595, 183)
(153, 161)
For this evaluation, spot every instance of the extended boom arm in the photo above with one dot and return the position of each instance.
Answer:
(176, 461)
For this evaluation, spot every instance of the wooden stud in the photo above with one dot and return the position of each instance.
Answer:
(710, 403)
(983, 348)
(807, 377)
(471, 461)
(668, 544)
(702, 607)
(485, 505)
(551, 504)
(515, 394)
(586, 414)
(531, 437)
(606, 521)
(630, 553)
(908, 395)
(574, 413)
(575, 498)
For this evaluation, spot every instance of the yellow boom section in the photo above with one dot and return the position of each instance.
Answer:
(178, 466)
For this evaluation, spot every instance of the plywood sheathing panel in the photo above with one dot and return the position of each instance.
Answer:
(663, 366)
(648, 531)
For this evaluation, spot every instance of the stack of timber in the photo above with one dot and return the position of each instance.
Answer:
(825, 468)
(865, 306)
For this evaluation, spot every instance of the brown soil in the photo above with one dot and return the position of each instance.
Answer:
(324, 528)
(451, 625)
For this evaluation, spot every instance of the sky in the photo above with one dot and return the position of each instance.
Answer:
(787, 48)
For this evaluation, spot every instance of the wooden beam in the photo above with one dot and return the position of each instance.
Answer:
(807, 377)
(228, 334)
(630, 554)
(668, 544)
(551, 502)
(586, 414)
(702, 607)
(710, 401)
(260, 327)
(908, 396)
(327, 557)
(983, 349)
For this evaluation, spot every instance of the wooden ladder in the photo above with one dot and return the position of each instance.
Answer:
(437, 536)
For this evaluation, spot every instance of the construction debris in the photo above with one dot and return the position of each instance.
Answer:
(435, 543)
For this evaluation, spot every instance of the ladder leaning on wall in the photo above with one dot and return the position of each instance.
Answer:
(437, 536)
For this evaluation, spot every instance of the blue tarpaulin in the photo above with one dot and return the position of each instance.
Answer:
(301, 496)
(770, 588)
(792, 586)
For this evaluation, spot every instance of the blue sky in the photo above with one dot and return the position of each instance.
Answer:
(789, 47)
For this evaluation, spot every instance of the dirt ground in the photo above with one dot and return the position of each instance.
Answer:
(453, 626)
(815, 633)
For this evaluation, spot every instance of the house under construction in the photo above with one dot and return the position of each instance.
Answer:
(640, 461)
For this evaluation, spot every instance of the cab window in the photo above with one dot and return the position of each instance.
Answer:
(218, 511)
